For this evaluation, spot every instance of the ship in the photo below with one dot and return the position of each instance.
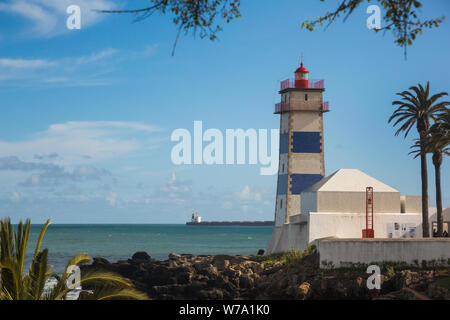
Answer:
(197, 221)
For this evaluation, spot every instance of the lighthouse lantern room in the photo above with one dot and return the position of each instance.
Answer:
(302, 77)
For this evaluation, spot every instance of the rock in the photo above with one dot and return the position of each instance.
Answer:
(209, 271)
(214, 294)
(240, 277)
(159, 276)
(304, 291)
(85, 295)
(192, 291)
(438, 292)
(141, 255)
(221, 262)
(245, 281)
(201, 265)
(260, 252)
(174, 256)
(100, 262)
(126, 269)
(160, 290)
(173, 263)
(233, 276)
(184, 278)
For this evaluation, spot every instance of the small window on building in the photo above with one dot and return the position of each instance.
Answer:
(306, 97)
(281, 203)
(282, 170)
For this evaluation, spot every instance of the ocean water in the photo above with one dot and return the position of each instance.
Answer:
(116, 242)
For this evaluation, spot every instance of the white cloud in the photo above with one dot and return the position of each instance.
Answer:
(20, 63)
(25, 64)
(15, 196)
(247, 195)
(111, 198)
(82, 142)
(70, 71)
(93, 69)
(74, 126)
(176, 190)
(48, 17)
(43, 21)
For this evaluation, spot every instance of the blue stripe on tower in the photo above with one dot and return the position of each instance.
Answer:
(284, 143)
(301, 182)
(306, 142)
(282, 183)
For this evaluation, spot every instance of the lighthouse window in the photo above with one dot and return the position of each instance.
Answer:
(306, 97)
(281, 203)
(282, 170)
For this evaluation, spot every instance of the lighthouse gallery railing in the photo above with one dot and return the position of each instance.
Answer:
(313, 84)
(300, 105)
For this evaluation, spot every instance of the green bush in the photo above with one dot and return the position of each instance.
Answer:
(292, 258)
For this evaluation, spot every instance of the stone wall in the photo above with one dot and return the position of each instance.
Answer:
(411, 251)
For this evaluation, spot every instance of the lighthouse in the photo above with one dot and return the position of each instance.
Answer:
(330, 212)
(301, 159)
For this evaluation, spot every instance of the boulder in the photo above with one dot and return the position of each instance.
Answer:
(141, 255)
(245, 281)
(221, 263)
(304, 291)
(174, 256)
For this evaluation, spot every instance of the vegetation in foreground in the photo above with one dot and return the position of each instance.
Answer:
(15, 285)
(291, 275)
(291, 259)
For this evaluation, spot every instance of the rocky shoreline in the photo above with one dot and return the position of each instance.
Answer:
(227, 277)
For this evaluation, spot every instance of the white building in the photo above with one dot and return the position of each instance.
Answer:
(336, 207)
(310, 206)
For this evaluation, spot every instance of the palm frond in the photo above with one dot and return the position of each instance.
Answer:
(41, 237)
(21, 244)
(39, 273)
(97, 279)
(129, 293)
(417, 108)
(14, 285)
(10, 279)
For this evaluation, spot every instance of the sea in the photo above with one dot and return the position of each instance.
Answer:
(120, 241)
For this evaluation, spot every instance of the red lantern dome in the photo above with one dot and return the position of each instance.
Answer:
(302, 69)
(302, 77)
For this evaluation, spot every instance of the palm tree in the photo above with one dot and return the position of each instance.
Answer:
(438, 143)
(15, 285)
(417, 108)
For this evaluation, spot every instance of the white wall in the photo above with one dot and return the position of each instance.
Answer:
(355, 202)
(412, 203)
(286, 237)
(379, 250)
(350, 225)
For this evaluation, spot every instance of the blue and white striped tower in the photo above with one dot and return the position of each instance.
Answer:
(301, 141)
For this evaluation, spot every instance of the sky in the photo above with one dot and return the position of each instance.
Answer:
(87, 115)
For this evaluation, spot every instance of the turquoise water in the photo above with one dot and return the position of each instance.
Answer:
(115, 242)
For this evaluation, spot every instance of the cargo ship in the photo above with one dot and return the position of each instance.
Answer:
(197, 221)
